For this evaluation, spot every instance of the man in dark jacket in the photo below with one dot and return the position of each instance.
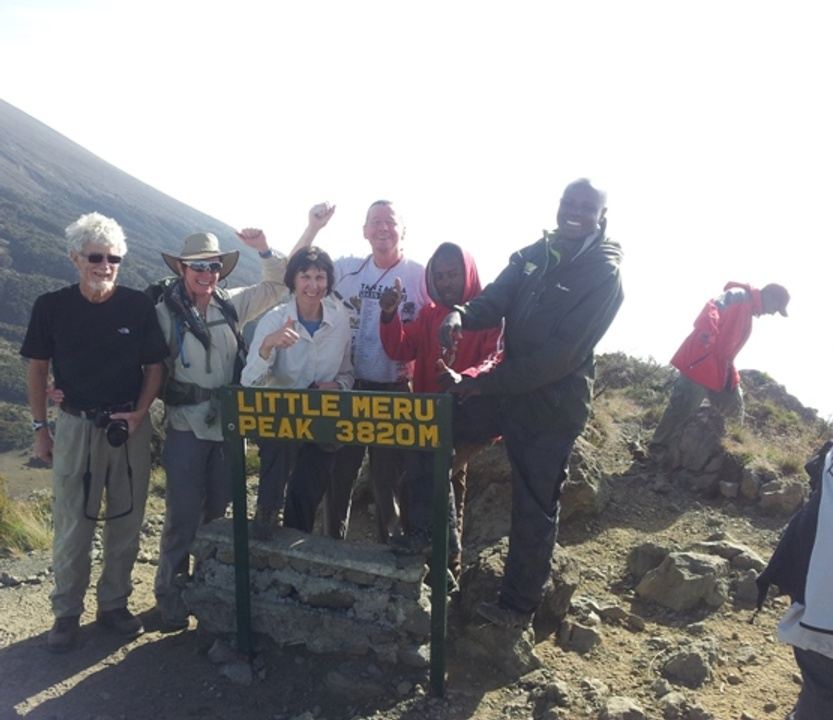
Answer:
(558, 298)
(706, 357)
(802, 567)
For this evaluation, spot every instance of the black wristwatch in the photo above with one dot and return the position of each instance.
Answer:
(39, 425)
(267, 253)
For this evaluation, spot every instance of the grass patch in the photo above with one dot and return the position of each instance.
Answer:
(24, 526)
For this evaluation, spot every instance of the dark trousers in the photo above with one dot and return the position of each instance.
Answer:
(419, 482)
(277, 460)
(816, 698)
(539, 468)
(312, 479)
(387, 467)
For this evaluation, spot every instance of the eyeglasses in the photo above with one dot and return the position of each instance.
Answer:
(96, 258)
(204, 266)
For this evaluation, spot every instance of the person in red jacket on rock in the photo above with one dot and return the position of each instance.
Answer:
(451, 278)
(705, 360)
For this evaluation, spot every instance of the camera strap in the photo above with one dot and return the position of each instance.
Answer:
(87, 480)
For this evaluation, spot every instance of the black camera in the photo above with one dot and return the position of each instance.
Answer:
(116, 431)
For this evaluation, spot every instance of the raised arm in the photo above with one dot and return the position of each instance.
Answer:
(319, 216)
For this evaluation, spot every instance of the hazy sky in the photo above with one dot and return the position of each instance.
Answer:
(709, 124)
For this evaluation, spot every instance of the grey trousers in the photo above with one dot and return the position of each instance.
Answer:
(73, 531)
(198, 490)
(686, 397)
(816, 698)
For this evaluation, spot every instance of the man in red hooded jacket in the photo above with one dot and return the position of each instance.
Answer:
(706, 357)
(451, 278)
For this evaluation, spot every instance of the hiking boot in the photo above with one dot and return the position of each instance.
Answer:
(120, 621)
(455, 566)
(63, 635)
(264, 525)
(173, 612)
(412, 543)
(502, 615)
(172, 624)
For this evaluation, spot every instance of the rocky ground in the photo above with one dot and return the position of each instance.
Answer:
(629, 647)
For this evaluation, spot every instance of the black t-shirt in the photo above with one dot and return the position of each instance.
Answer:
(97, 349)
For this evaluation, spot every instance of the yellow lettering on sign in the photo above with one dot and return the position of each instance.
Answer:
(266, 426)
(271, 398)
(247, 423)
(329, 406)
(381, 408)
(291, 402)
(285, 429)
(306, 409)
(241, 403)
(302, 429)
(429, 435)
(423, 409)
(361, 406)
(344, 431)
(402, 408)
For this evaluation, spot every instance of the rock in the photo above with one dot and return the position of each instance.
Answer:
(585, 491)
(565, 576)
(692, 664)
(594, 690)
(699, 447)
(674, 706)
(622, 708)
(580, 638)
(746, 590)
(728, 489)
(240, 673)
(684, 580)
(646, 557)
(418, 658)
(782, 497)
(353, 689)
(221, 652)
(661, 687)
(508, 650)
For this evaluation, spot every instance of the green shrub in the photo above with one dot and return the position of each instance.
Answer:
(24, 526)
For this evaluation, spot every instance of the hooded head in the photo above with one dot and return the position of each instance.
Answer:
(451, 276)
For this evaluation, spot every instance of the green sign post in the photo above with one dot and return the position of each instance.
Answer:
(417, 422)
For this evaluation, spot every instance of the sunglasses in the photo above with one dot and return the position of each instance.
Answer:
(204, 266)
(96, 258)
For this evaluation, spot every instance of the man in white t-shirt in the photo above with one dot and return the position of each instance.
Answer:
(360, 282)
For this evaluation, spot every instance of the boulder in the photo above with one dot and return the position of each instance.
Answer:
(684, 580)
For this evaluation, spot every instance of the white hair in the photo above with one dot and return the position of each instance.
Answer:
(95, 228)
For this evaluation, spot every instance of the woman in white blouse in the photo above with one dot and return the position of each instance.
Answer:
(303, 343)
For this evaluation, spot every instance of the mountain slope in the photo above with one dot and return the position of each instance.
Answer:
(46, 182)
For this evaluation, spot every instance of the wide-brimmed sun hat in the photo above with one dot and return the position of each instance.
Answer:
(202, 246)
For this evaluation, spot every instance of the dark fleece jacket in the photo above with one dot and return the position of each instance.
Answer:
(557, 302)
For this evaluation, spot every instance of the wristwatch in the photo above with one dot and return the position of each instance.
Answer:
(267, 253)
(39, 425)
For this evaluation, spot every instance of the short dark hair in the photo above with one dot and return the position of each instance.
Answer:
(306, 258)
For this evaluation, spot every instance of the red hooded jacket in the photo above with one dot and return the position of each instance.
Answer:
(720, 331)
(419, 340)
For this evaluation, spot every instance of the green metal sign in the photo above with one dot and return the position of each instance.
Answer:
(419, 422)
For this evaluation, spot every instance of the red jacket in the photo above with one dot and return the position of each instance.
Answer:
(720, 331)
(419, 340)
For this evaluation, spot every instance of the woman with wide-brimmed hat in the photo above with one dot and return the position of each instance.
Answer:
(203, 322)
